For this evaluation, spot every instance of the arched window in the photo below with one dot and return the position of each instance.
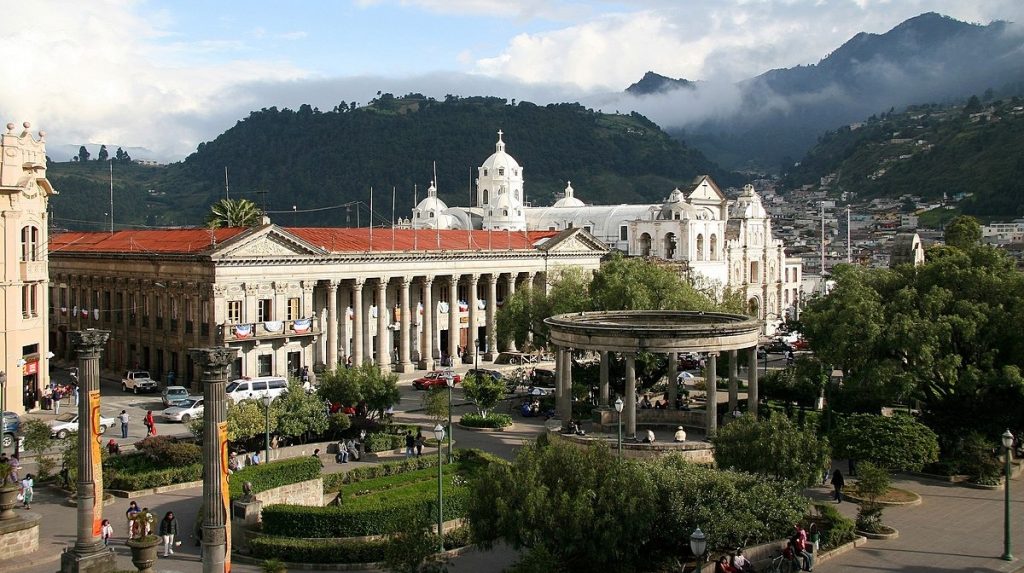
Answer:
(504, 212)
(714, 247)
(755, 275)
(485, 196)
(485, 173)
(431, 214)
(700, 247)
(670, 246)
(645, 245)
(501, 171)
(29, 243)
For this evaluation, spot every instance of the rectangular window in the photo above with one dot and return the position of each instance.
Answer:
(234, 311)
(294, 308)
(623, 232)
(588, 229)
(25, 301)
(264, 308)
(264, 364)
(119, 311)
(107, 315)
(189, 312)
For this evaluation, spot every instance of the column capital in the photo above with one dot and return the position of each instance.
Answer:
(382, 282)
(453, 279)
(492, 278)
(358, 283)
(713, 354)
(403, 281)
(474, 278)
(213, 360)
(308, 286)
(88, 343)
(427, 279)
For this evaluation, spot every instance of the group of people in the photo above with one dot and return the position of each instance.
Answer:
(56, 393)
(414, 445)
(736, 563)
(797, 555)
(140, 524)
(26, 485)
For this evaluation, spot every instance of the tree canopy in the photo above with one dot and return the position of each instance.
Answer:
(773, 447)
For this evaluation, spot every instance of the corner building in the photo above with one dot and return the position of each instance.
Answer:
(293, 297)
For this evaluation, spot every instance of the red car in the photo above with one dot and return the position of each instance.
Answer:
(435, 379)
(801, 344)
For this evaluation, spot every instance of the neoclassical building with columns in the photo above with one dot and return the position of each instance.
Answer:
(294, 297)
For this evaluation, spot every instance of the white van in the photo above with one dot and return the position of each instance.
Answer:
(256, 388)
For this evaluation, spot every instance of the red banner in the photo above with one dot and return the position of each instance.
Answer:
(30, 368)
(222, 439)
(97, 461)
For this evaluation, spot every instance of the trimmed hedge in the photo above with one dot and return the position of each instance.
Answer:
(383, 442)
(274, 474)
(491, 421)
(836, 528)
(153, 478)
(334, 482)
(337, 551)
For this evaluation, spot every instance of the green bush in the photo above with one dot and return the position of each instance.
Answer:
(274, 474)
(836, 528)
(383, 442)
(774, 447)
(168, 452)
(388, 512)
(897, 443)
(136, 480)
(302, 551)
(491, 421)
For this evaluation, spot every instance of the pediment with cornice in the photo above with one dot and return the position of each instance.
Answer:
(270, 242)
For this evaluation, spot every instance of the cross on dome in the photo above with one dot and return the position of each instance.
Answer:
(500, 146)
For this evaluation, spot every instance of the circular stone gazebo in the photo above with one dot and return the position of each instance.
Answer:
(659, 331)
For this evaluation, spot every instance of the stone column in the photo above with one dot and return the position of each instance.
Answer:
(332, 325)
(453, 318)
(711, 407)
(565, 406)
(752, 396)
(733, 380)
(429, 336)
(89, 554)
(511, 290)
(528, 284)
(559, 377)
(383, 350)
(472, 344)
(492, 305)
(405, 363)
(604, 378)
(629, 410)
(214, 363)
(357, 322)
(673, 379)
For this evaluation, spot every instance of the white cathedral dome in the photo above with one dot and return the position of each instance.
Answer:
(500, 164)
(430, 211)
(568, 199)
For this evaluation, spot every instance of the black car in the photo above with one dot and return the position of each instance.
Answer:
(484, 372)
(542, 378)
(778, 346)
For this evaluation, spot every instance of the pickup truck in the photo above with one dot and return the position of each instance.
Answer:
(138, 381)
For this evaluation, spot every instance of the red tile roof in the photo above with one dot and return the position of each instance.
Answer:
(349, 240)
(174, 241)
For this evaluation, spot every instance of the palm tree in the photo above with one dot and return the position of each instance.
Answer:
(234, 213)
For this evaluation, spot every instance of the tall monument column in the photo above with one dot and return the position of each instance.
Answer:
(214, 363)
(89, 555)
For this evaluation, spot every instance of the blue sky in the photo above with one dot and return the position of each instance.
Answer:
(168, 75)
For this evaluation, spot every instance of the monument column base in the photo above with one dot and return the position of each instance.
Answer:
(101, 561)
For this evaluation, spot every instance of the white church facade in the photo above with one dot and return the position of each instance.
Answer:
(724, 243)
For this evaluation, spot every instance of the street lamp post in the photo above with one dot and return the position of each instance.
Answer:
(618, 418)
(1007, 438)
(698, 543)
(476, 353)
(3, 397)
(449, 381)
(439, 434)
(266, 402)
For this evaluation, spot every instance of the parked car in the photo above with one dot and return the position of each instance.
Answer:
(256, 388)
(485, 372)
(11, 425)
(172, 394)
(801, 344)
(689, 361)
(138, 381)
(435, 379)
(778, 346)
(185, 410)
(68, 422)
(543, 378)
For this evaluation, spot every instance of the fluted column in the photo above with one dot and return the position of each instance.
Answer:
(733, 380)
(492, 305)
(88, 344)
(711, 407)
(332, 325)
(752, 389)
(529, 287)
(604, 378)
(629, 410)
(565, 383)
(383, 349)
(405, 363)
(357, 322)
(509, 292)
(429, 336)
(216, 551)
(673, 379)
(453, 318)
(472, 344)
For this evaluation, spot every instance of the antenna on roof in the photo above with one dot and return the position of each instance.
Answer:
(227, 194)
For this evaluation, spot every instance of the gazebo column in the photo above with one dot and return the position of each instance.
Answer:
(711, 404)
(630, 397)
(565, 404)
(559, 373)
(604, 378)
(673, 379)
(752, 397)
(733, 380)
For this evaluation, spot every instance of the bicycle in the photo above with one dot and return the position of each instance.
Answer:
(780, 564)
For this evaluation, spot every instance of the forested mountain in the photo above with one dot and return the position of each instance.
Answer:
(311, 159)
(653, 83)
(927, 59)
(929, 151)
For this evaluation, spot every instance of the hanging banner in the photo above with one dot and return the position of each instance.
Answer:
(97, 462)
(273, 326)
(302, 325)
(222, 439)
(243, 330)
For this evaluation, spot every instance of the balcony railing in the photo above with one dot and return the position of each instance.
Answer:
(269, 329)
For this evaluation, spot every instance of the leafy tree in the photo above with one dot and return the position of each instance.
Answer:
(973, 105)
(435, 405)
(234, 213)
(363, 383)
(896, 443)
(484, 391)
(103, 155)
(299, 414)
(872, 482)
(38, 441)
(774, 447)
(83, 154)
(340, 386)
(121, 156)
(380, 390)
(963, 232)
(248, 419)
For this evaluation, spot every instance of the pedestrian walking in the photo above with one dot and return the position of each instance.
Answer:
(107, 531)
(150, 424)
(420, 440)
(123, 418)
(133, 510)
(75, 391)
(410, 444)
(27, 490)
(168, 530)
(57, 397)
(837, 483)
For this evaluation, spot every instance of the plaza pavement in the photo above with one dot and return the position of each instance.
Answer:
(955, 529)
